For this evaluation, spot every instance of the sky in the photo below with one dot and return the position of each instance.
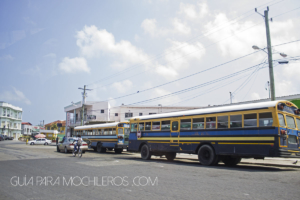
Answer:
(168, 52)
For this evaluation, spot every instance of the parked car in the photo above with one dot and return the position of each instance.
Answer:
(7, 137)
(67, 146)
(1, 137)
(40, 141)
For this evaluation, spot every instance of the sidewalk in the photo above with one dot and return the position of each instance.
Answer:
(280, 162)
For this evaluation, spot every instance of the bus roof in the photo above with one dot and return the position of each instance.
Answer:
(250, 106)
(96, 126)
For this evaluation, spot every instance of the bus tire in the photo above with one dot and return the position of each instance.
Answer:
(231, 161)
(171, 156)
(207, 156)
(118, 151)
(145, 152)
(100, 149)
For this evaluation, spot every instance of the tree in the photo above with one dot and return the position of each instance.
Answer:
(54, 127)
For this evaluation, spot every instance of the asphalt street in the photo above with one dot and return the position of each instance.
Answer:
(39, 172)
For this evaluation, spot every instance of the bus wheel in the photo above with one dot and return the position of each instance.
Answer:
(145, 152)
(207, 156)
(231, 161)
(171, 156)
(100, 149)
(118, 151)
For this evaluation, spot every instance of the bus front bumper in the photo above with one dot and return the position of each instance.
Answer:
(288, 153)
(121, 146)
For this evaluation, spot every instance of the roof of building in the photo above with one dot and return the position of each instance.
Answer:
(26, 123)
(56, 122)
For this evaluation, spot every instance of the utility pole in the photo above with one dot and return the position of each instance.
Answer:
(83, 102)
(270, 60)
(230, 97)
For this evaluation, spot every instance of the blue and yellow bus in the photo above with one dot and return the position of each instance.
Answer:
(109, 136)
(227, 134)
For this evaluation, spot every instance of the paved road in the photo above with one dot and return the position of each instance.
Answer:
(39, 172)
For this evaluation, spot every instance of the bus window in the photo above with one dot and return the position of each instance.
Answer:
(155, 126)
(185, 124)
(95, 132)
(141, 126)
(120, 131)
(105, 132)
(298, 123)
(198, 123)
(148, 126)
(210, 122)
(223, 122)
(165, 125)
(250, 120)
(265, 119)
(290, 121)
(281, 120)
(113, 131)
(175, 126)
(133, 127)
(236, 121)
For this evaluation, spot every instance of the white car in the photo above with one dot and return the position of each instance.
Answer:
(40, 141)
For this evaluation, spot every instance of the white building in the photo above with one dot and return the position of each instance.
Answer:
(26, 128)
(10, 120)
(102, 112)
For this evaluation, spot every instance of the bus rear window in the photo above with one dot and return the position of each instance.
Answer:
(185, 124)
(223, 122)
(198, 123)
(165, 125)
(250, 120)
(265, 119)
(210, 122)
(290, 121)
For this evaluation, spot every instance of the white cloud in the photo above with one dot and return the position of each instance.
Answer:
(192, 11)
(255, 96)
(73, 65)
(123, 86)
(244, 37)
(179, 28)
(166, 101)
(15, 95)
(94, 42)
(6, 57)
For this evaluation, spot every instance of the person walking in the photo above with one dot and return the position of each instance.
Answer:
(56, 140)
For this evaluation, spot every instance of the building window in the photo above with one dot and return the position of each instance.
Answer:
(140, 114)
(116, 114)
(152, 113)
(128, 115)
(102, 111)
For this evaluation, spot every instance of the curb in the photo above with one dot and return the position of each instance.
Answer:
(269, 164)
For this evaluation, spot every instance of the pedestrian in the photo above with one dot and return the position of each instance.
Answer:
(56, 140)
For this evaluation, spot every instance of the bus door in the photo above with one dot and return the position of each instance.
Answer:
(291, 132)
(126, 135)
(174, 134)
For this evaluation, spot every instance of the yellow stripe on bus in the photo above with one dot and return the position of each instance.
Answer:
(247, 143)
(212, 138)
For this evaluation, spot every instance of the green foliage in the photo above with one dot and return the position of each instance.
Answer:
(54, 127)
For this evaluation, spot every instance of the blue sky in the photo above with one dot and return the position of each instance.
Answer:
(50, 48)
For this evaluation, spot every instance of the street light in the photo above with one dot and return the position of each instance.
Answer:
(270, 60)
(283, 62)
